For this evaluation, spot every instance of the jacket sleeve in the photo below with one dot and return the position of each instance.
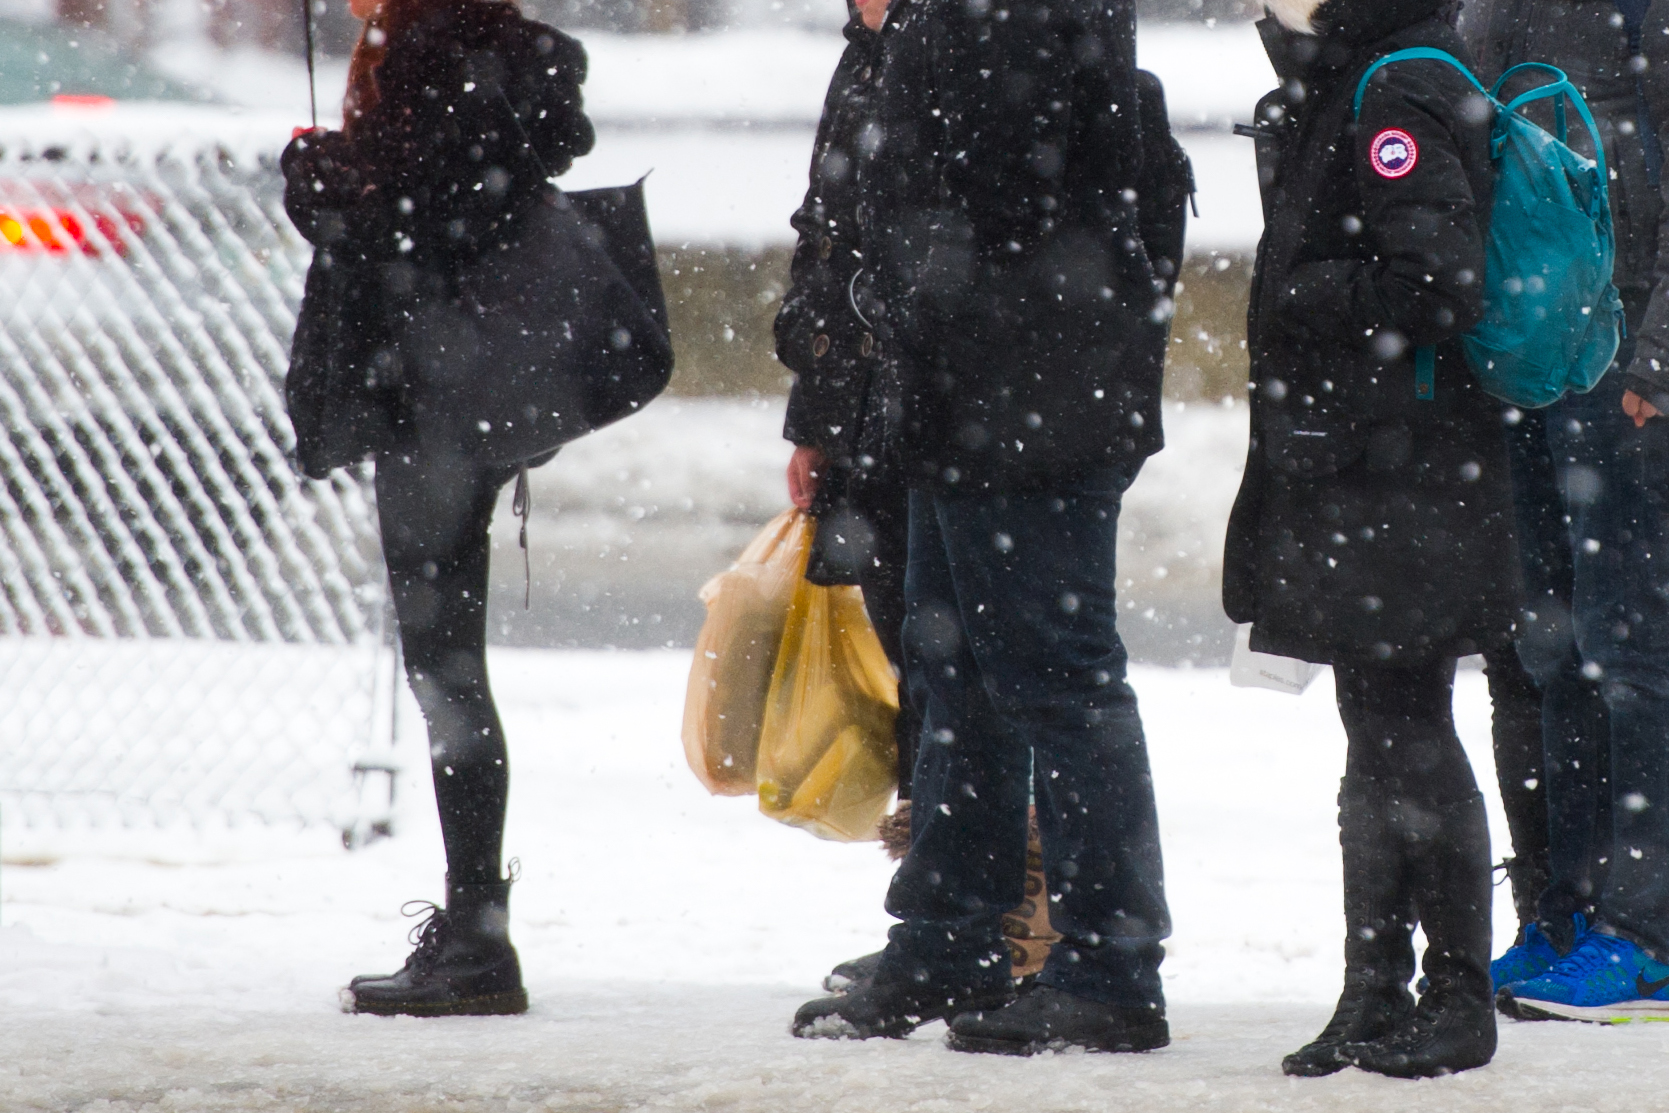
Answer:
(1648, 374)
(1004, 72)
(1419, 278)
(323, 185)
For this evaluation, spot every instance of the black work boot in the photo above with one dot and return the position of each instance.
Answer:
(1378, 945)
(1453, 1027)
(464, 964)
(1048, 1018)
(853, 972)
(891, 1008)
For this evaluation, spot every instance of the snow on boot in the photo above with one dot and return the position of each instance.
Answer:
(463, 964)
(890, 1008)
(851, 973)
(1453, 1027)
(1049, 1019)
(1028, 931)
(1378, 947)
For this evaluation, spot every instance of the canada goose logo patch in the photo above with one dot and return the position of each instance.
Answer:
(1394, 153)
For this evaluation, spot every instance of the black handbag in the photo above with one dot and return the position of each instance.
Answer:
(557, 331)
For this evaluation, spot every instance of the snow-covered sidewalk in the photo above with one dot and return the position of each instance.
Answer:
(668, 936)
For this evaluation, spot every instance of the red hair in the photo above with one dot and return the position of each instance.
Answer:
(394, 18)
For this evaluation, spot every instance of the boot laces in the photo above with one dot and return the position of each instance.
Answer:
(428, 935)
(1597, 951)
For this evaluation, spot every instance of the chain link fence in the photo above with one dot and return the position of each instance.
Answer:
(189, 630)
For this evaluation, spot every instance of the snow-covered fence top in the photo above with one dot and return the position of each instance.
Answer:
(188, 628)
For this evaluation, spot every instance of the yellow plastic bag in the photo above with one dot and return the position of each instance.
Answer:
(736, 652)
(827, 758)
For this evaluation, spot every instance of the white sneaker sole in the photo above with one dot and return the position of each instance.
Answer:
(1623, 1012)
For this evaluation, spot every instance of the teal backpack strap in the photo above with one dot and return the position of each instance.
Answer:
(1425, 373)
(1413, 54)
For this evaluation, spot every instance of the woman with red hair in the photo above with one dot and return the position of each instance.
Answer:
(457, 115)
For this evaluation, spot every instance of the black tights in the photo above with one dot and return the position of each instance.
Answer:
(436, 520)
(1401, 727)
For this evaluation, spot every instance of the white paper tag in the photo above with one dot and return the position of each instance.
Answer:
(1265, 670)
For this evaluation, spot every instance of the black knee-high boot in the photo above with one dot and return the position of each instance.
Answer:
(1378, 948)
(1453, 1026)
(464, 964)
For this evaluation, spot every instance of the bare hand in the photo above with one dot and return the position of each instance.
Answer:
(1638, 408)
(805, 474)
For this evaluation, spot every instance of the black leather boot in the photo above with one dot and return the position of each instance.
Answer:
(1378, 946)
(891, 1008)
(1047, 1018)
(464, 964)
(1453, 1027)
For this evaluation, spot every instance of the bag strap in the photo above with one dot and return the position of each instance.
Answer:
(1414, 54)
(1425, 359)
(1634, 21)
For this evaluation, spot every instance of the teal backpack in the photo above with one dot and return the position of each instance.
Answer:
(1552, 318)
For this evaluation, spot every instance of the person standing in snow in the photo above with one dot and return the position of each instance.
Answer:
(1591, 477)
(1017, 314)
(836, 472)
(1373, 528)
(431, 168)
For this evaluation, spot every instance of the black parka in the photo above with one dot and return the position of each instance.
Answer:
(1590, 42)
(1371, 525)
(819, 334)
(437, 171)
(1003, 264)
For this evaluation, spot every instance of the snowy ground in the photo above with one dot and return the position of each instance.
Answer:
(668, 936)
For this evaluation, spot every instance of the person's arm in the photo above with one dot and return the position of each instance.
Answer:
(1420, 280)
(323, 185)
(1646, 379)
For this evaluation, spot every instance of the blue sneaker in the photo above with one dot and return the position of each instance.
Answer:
(1532, 958)
(1606, 979)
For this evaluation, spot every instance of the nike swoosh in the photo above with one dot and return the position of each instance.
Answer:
(1648, 989)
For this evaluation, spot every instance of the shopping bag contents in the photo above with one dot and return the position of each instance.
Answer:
(827, 758)
(747, 607)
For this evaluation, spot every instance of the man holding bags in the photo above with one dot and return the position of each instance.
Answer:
(1015, 311)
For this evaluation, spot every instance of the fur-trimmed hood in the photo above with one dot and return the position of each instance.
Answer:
(1356, 20)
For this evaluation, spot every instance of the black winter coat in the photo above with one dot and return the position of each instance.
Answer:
(1588, 40)
(1371, 525)
(1003, 264)
(435, 172)
(819, 335)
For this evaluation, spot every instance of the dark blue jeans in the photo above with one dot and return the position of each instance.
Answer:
(1013, 657)
(1594, 527)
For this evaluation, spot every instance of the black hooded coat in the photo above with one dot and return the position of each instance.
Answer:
(1004, 267)
(1371, 525)
(435, 173)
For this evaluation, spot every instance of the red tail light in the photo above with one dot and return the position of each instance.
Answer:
(60, 231)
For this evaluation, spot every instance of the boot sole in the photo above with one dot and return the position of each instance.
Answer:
(1410, 1070)
(1151, 1039)
(495, 1004)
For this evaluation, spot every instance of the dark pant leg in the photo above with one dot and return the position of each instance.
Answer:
(887, 513)
(1406, 761)
(1013, 645)
(1516, 730)
(1575, 723)
(1615, 480)
(435, 535)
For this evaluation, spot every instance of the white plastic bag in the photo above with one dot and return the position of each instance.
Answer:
(1265, 670)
